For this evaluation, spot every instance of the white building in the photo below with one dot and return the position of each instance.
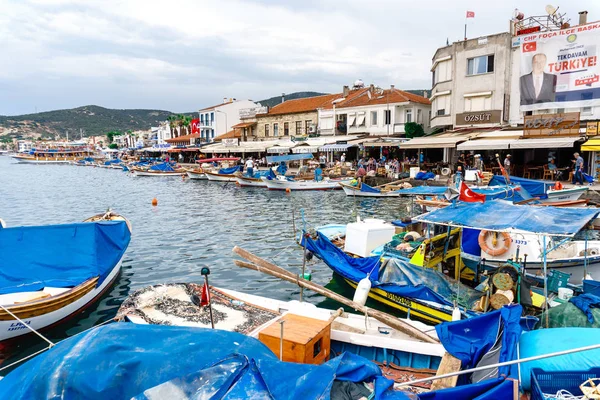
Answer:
(218, 120)
(162, 132)
(24, 146)
(373, 111)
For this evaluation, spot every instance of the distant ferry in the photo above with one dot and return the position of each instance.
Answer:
(50, 156)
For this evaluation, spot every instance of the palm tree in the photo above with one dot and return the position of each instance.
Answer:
(172, 119)
(185, 122)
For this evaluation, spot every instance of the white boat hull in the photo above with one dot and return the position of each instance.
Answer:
(565, 194)
(250, 182)
(211, 176)
(160, 173)
(24, 160)
(276, 184)
(13, 328)
(353, 191)
(201, 176)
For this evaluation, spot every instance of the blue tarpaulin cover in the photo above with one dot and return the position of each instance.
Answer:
(534, 187)
(229, 171)
(289, 157)
(368, 189)
(165, 167)
(585, 302)
(125, 360)
(423, 191)
(470, 339)
(394, 275)
(498, 215)
(33, 257)
(491, 389)
(257, 174)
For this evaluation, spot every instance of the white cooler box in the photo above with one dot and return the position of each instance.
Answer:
(364, 237)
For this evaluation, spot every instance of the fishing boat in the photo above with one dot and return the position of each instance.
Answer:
(52, 272)
(162, 169)
(51, 156)
(111, 164)
(223, 174)
(545, 191)
(290, 184)
(364, 190)
(207, 164)
(551, 237)
(255, 180)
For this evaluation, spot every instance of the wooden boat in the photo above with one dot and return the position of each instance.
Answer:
(364, 190)
(172, 304)
(282, 183)
(246, 181)
(57, 270)
(564, 195)
(198, 172)
(222, 175)
(51, 156)
(162, 169)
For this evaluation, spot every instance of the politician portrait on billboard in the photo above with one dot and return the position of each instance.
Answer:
(559, 69)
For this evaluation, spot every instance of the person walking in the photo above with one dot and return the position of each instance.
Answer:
(249, 167)
(507, 163)
(578, 171)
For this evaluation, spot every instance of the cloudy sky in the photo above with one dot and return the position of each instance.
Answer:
(182, 55)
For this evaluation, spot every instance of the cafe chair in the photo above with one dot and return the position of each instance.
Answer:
(547, 173)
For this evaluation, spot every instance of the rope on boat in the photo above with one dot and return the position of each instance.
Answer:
(27, 325)
(502, 364)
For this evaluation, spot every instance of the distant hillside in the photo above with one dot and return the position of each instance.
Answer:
(273, 101)
(93, 120)
(420, 92)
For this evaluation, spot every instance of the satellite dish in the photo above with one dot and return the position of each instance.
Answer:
(359, 83)
(518, 15)
(451, 194)
(550, 9)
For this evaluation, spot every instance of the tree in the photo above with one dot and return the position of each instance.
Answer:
(113, 146)
(412, 130)
(111, 135)
(185, 122)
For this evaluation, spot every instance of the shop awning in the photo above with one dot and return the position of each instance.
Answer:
(243, 125)
(434, 142)
(336, 147)
(486, 144)
(544, 143)
(305, 149)
(591, 145)
(383, 144)
(215, 149)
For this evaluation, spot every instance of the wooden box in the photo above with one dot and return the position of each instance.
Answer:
(305, 340)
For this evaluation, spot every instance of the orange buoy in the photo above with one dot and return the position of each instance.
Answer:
(496, 249)
(558, 185)
(288, 190)
(154, 202)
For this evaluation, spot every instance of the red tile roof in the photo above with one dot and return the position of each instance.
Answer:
(306, 104)
(235, 133)
(220, 104)
(184, 138)
(383, 97)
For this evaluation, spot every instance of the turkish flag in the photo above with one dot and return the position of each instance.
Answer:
(195, 126)
(205, 300)
(470, 14)
(469, 196)
(531, 46)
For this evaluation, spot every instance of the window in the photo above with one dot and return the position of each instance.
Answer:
(275, 129)
(212, 116)
(373, 118)
(408, 116)
(387, 116)
(307, 125)
(560, 110)
(441, 105)
(478, 103)
(480, 65)
(266, 130)
(441, 112)
(442, 72)
(361, 119)
(298, 127)
(212, 133)
(419, 116)
(586, 110)
(286, 129)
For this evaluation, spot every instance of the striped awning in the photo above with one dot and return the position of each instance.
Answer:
(305, 149)
(335, 147)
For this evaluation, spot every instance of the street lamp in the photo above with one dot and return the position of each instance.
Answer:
(223, 112)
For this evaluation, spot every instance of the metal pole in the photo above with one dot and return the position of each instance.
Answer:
(585, 255)
(281, 340)
(205, 271)
(303, 266)
(502, 364)
(545, 279)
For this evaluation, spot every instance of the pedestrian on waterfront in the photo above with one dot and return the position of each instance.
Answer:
(507, 163)
(578, 171)
(461, 163)
(318, 173)
(167, 158)
(250, 167)
(343, 158)
(478, 162)
(180, 158)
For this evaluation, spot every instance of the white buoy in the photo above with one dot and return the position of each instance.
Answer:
(456, 314)
(362, 291)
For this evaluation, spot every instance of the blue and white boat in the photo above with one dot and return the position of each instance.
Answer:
(223, 174)
(50, 273)
(162, 169)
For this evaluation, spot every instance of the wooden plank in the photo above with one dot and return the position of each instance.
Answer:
(448, 364)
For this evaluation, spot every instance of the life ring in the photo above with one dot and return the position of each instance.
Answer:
(446, 171)
(495, 250)
(558, 186)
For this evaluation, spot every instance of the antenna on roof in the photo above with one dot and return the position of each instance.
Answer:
(358, 84)
(550, 9)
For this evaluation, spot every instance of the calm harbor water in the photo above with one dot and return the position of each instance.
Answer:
(195, 224)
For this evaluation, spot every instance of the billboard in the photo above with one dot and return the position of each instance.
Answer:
(559, 69)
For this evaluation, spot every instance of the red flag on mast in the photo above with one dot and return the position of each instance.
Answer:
(469, 196)
(205, 300)
(470, 14)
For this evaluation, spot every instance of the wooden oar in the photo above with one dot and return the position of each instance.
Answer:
(262, 265)
(393, 183)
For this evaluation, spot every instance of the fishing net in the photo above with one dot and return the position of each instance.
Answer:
(568, 315)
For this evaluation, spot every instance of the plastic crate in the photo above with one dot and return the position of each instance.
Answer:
(557, 279)
(551, 382)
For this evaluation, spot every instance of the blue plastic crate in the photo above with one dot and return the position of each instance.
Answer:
(551, 382)
(557, 279)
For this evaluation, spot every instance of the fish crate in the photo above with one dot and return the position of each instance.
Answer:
(557, 279)
(545, 385)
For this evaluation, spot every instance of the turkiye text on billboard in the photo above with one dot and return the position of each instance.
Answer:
(559, 69)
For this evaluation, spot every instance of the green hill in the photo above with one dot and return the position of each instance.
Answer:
(92, 120)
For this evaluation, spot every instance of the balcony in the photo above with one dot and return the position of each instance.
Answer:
(207, 124)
